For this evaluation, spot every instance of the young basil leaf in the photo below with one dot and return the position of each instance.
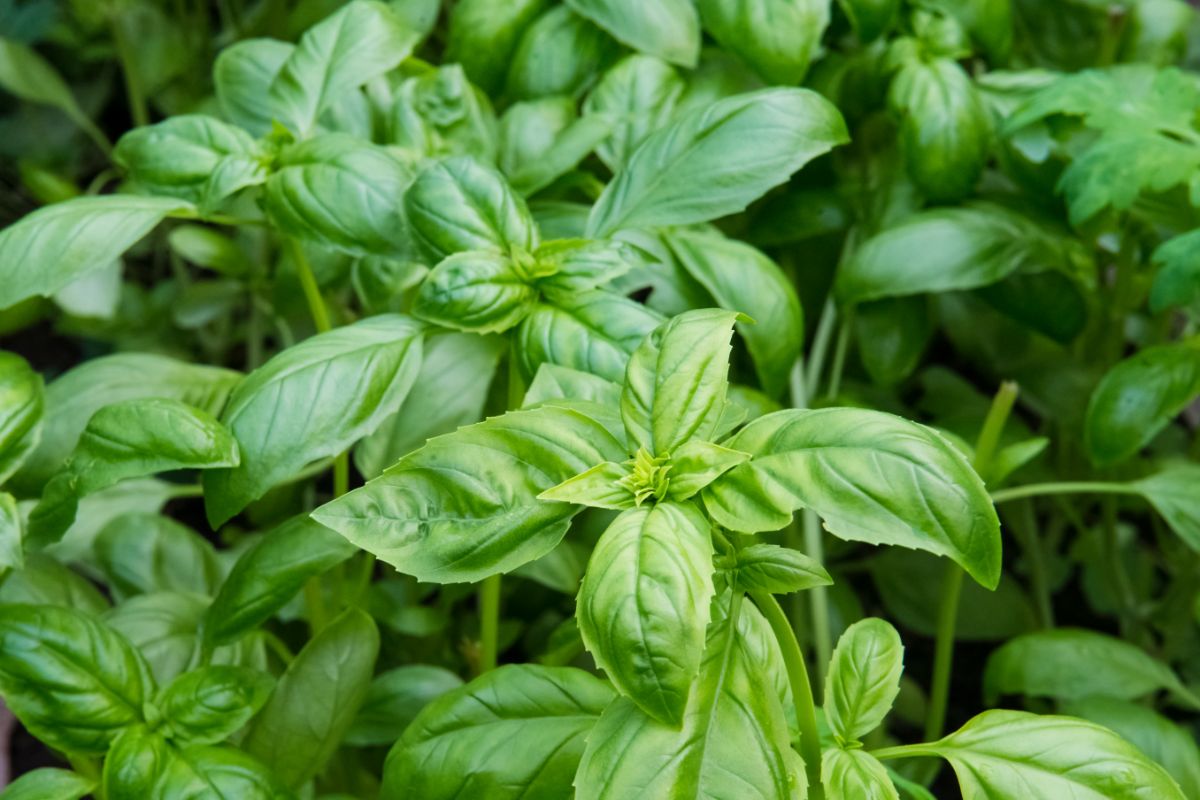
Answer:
(669, 29)
(593, 331)
(12, 555)
(1073, 663)
(715, 160)
(515, 732)
(552, 382)
(74, 397)
(24, 73)
(216, 772)
(72, 681)
(342, 52)
(208, 705)
(528, 129)
(777, 570)
(135, 762)
(1013, 753)
(581, 264)
(395, 699)
(140, 553)
(479, 291)
(22, 407)
(1138, 397)
(1172, 492)
(643, 605)
(57, 244)
(130, 439)
(242, 76)
(49, 783)
(696, 463)
(892, 334)
(427, 517)
(733, 741)
(864, 678)
(855, 774)
(640, 93)
(741, 278)
(450, 391)
(483, 34)
(870, 18)
(599, 487)
(311, 401)
(439, 113)
(848, 466)
(340, 192)
(676, 381)
(315, 701)
(43, 581)
(459, 204)
(559, 53)
(269, 574)
(777, 38)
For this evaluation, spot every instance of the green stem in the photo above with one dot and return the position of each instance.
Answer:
(820, 347)
(1027, 532)
(839, 357)
(802, 696)
(993, 426)
(314, 602)
(341, 474)
(489, 622)
(133, 81)
(277, 646)
(1061, 487)
(904, 751)
(312, 291)
(818, 597)
(943, 654)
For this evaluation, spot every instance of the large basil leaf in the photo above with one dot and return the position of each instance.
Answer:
(733, 741)
(465, 505)
(743, 279)
(873, 477)
(207, 705)
(1138, 397)
(54, 245)
(559, 53)
(483, 35)
(342, 52)
(49, 783)
(134, 764)
(864, 678)
(640, 93)
(22, 405)
(479, 291)
(676, 381)
(242, 76)
(777, 38)
(269, 574)
(394, 700)
(855, 775)
(311, 401)
(553, 382)
(338, 191)
(516, 732)
(668, 29)
(715, 160)
(199, 772)
(72, 681)
(315, 701)
(140, 553)
(644, 602)
(450, 391)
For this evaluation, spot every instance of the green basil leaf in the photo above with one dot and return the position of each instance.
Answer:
(643, 605)
(864, 678)
(528, 130)
(427, 517)
(140, 553)
(12, 556)
(24, 73)
(49, 783)
(1177, 282)
(871, 476)
(340, 192)
(571, 146)
(342, 52)
(561, 570)
(43, 581)
(483, 35)
(640, 93)
(1116, 170)
(1073, 663)
(669, 29)
(870, 18)
(778, 570)
(315, 701)
(214, 773)
(855, 774)
(269, 574)
(741, 278)
(696, 463)
(733, 741)
(459, 204)
(57, 244)
(552, 382)
(72, 681)
(559, 53)
(134, 763)
(439, 113)
(598, 487)
(395, 699)
(515, 732)
(592, 331)
(1139, 397)
(450, 391)
(1172, 492)
(581, 264)
(1015, 754)
(715, 160)
(892, 335)
(208, 705)
(676, 381)
(777, 38)
(242, 76)
(207, 248)
(74, 397)
(479, 291)
(311, 401)
(22, 407)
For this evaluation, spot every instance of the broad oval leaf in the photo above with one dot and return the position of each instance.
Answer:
(395, 699)
(483, 34)
(559, 53)
(200, 772)
(71, 680)
(872, 477)
(53, 246)
(465, 505)
(479, 291)
(892, 335)
(668, 29)
(208, 705)
(516, 732)
(777, 38)
(242, 76)
(43, 581)
(1138, 397)
(311, 401)
(777, 570)
(644, 602)
(864, 678)
(855, 775)
(141, 553)
(640, 93)
(715, 160)
(22, 405)
(49, 783)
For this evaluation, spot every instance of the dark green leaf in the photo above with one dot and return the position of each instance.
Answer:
(140, 553)
(394, 700)
(49, 783)
(22, 406)
(208, 705)
(559, 53)
(483, 35)
(777, 38)
(1177, 282)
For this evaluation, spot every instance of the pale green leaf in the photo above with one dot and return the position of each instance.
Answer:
(864, 678)
(668, 29)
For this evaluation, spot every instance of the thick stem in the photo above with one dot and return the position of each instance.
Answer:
(1061, 487)
(802, 696)
(133, 81)
(818, 597)
(489, 622)
(943, 654)
(820, 347)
